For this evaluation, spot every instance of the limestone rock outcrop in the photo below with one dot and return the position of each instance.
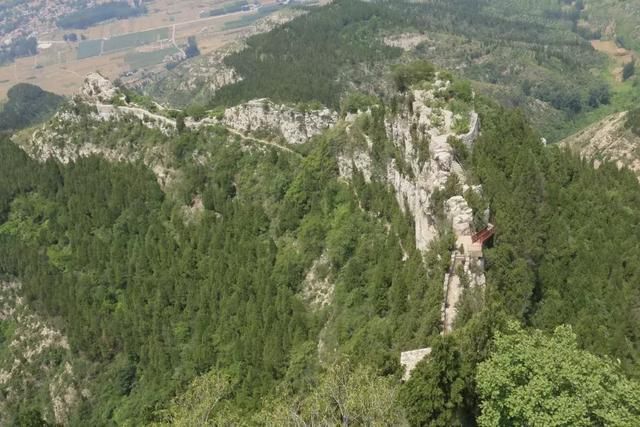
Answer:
(421, 134)
(98, 88)
(25, 365)
(406, 41)
(409, 360)
(460, 215)
(412, 130)
(607, 141)
(295, 126)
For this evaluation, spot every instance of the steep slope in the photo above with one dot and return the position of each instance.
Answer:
(615, 20)
(317, 222)
(609, 140)
(268, 261)
(37, 368)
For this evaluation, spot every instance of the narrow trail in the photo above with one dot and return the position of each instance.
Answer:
(139, 112)
(263, 141)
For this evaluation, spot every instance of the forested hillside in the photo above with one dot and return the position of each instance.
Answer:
(198, 267)
(531, 55)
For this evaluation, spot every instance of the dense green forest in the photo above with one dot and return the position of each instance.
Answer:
(155, 300)
(195, 302)
(530, 55)
(100, 246)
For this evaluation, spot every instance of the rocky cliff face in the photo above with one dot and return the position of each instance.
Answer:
(421, 133)
(34, 361)
(57, 140)
(97, 88)
(423, 124)
(295, 126)
(607, 140)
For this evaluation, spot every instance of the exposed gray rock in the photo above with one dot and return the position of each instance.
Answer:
(97, 88)
(357, 161)
(474, 130)
(409, 360)
(24, 367)
(317, 289)
(434, 125)
(295, 126)
(460, 215)
(412, 130)
(406, 41)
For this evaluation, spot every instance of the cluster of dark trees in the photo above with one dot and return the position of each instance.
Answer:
(27, 104)
(192, 47)
(155, 298)
(302, 61)
(633, 121)
(628, 70)
(18, 48)
(88, 16)
(563, 255)
(70, 37)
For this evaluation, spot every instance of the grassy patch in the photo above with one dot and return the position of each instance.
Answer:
(89, 48)
(250, 19)
(141, 38)
(147, 59)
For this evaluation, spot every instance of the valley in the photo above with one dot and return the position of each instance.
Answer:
(60, 64)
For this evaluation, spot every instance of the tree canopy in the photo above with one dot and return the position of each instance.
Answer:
(539, 380)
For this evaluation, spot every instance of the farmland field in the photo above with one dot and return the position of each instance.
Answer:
(147, 59)
(127, 41)
(89, 48)
(227, 9)
(110, 47)
(250, 19)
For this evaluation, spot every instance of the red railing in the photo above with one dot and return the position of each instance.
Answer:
(483, 235)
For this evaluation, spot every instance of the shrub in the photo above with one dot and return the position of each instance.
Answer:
(406, 75)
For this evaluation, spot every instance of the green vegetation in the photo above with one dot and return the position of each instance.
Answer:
(147, 295)
(234, 7)
(198, 303)
(240, 269)
(147, 59)
(530, 55)
(26, 106)
(358, 101)
(404, 76)
(628, 70)
(141, 38)
(601, 14)
(538, 273)
(633, 121)
(18, 48)
(533, 379)
(543, 272)
(302, 60)
(89, 48)
(85, 17)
